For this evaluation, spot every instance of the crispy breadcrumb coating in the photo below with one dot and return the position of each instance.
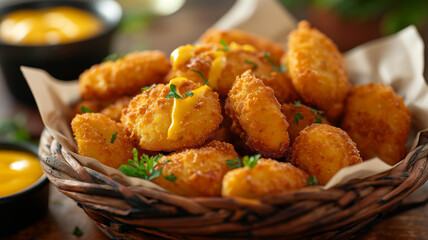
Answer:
(257, 116)
(94, 134)
(198, 172)
(214, 36)
(268, 177)
(317, 70)
(322, 150)
(378, 121)
(148, 118)
(300, 116)
(126, 76)
(114, 111)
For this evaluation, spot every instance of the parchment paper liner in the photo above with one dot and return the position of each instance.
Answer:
(396, 61)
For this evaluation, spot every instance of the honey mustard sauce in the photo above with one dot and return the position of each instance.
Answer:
(48, 26)
(18, 171)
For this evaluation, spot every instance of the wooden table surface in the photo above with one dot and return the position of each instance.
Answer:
(64, 214)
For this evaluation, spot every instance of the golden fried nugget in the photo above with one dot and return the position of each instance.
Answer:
(99, 137)
(221, 67)
(114, 111)
(268, 177)
(300, 116)
(317, 70)
(170, 124)
(255, 110)
(378, 121)
(198, 172)
(110, 80)
(87, 105)
(322, 150)
(214, 36)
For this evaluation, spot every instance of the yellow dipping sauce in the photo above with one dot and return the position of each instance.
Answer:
(18, 171)
(48, 26)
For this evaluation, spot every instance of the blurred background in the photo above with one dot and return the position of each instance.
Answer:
(166, 24)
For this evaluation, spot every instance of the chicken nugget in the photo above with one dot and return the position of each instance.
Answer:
(219, 66)
(196, 172)
(322, 150)
(172, 117)
(114, 111)
(126, 76)
(99, 137)
(317, 70)
(268, 177)
(214, 36)
(257, 116)
(300, 116)
(378, 121)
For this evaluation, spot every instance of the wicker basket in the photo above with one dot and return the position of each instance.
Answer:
(124, 212)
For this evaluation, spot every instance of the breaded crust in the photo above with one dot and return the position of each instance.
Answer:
(322, 150)
(94, 133)
(268, 177)
(214, 36)
(293, 113)
(199, 172)
(317, 70)
(114, 111)
(148, 118)
(255, 110)
(378, 121)
(126, 76)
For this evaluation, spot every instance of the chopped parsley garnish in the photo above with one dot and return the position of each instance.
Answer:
(255, 66)
(248, 161)
(297, 116)
(318, 119)
(201, 75)
(297, 104)
(77, 231)
(251, 161)
(113, 137)
(113, 57)
(147, 87)
(224, 44)
(171, 177)
(173, 92)
(189, 93)
(317, 112)
(312, 181)
(143, 168)
(235, 163)
(86, 109)
(280, 68)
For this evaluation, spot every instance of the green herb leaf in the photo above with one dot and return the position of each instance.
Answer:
(297, 104)
(224, 44)
(143, 168)
(173, 92)
(297, 116)
(171, 177)
(86, 109)
(316, 111)
(251, 161)
(113, 57)
(113, 137)
(277, 68)
(255, 66)
(201, 75)
(189, 93)
(166, 161)
(77, 231)
(312, 181)
(235, 163)
(148, 87)
(318, 120)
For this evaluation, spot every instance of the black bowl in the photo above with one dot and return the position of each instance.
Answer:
(64, 61)
(23, 208)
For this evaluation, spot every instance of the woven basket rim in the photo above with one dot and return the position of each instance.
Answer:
(340, 211)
